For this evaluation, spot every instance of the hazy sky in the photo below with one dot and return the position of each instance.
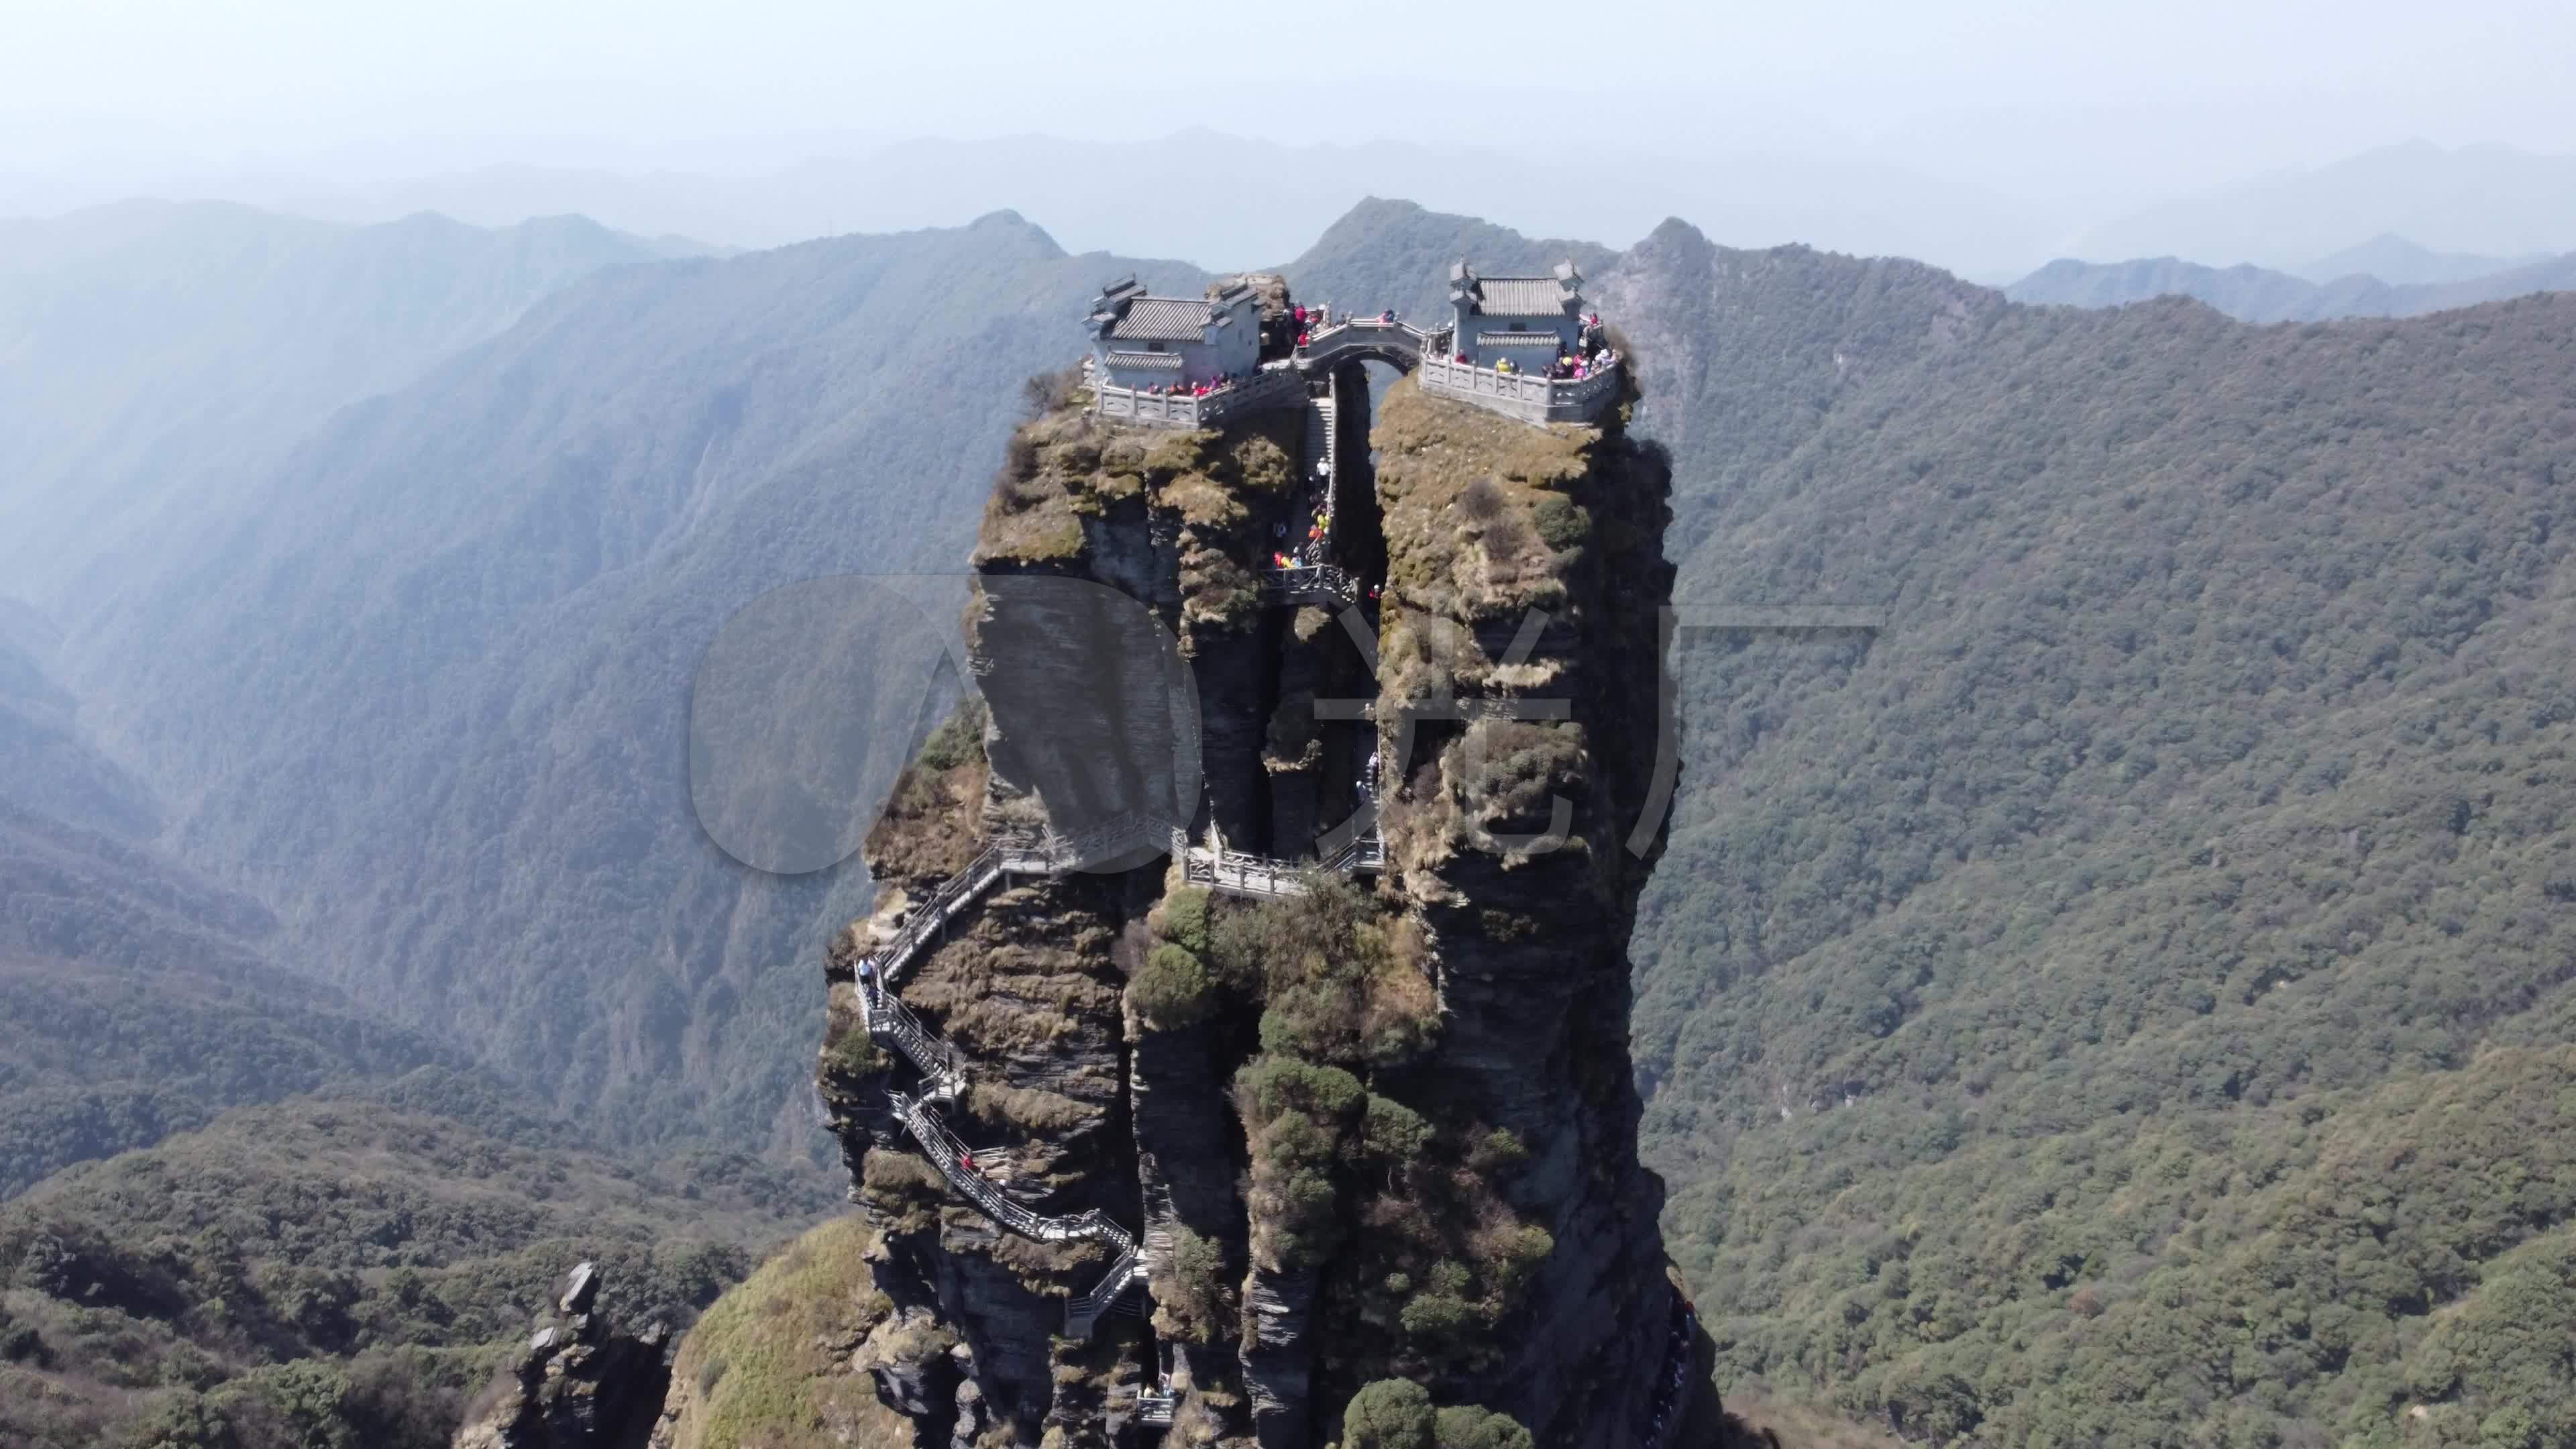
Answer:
(1992, 91)
(1986, 135)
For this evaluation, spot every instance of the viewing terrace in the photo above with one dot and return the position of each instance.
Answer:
(1533, 397)
(1275, 385)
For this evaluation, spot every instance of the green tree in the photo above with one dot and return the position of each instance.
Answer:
(1171, 990)
(1469, 1426)
(1388, 1414)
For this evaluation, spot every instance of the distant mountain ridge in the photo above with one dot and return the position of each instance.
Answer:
(2255, 294)
(2393, 259)
(1740, 189)
(2484, 200)
(152, 354)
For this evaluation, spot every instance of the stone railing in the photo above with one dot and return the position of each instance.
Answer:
(1050, 853)
(1235, 873)
(1275, 386)
(1527, 396)
(1362, 337)
(1261, 878)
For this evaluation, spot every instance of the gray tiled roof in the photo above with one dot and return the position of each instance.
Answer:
(1520, 297)
(1165, 319)
(1163, 361)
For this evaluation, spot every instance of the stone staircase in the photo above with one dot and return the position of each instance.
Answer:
(894, 1026)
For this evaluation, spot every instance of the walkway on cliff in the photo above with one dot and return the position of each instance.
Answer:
(1235, 873)
(893, 1025)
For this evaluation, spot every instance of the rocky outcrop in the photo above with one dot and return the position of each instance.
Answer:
(1526, 577)
(579, 1383)
(1369, 1128)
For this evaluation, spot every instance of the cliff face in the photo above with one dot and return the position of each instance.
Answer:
(1526, 576)
(1372, 1121)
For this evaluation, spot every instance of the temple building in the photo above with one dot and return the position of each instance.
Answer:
(1528, 321)
(1142, 341)
(1519, 346)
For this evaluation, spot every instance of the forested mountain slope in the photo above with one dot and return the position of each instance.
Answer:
(1396, 254)
(2024, 984)
(339, 1269)
(54, 769)
(430, 697)
(152, 353)
(2042, 998)
(136, 998)
(335, 1272)
(2394, 259)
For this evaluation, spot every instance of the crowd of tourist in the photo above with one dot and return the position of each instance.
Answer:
(1208, 388)
(1575, 365)
(1592, 357)
(1315, 549)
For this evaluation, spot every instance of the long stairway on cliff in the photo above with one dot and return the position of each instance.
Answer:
(893, 1025)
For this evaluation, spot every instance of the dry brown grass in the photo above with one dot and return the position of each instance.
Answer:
(1032, 1111)
(1460, 488)
(906, 1189)
(930, 829)
(1032, 516)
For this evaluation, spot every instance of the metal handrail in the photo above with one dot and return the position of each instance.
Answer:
(1154, 1407)
(893, 1024)
(949, 1155)
(894, 957)
(1083, 1313)
(889, 1021)
(1313, 584)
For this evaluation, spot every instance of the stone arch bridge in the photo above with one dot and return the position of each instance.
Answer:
(1400, 345)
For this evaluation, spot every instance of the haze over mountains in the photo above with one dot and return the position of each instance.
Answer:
(2023, 987)
(152, 354)
(2253, 294)
(1740, 187)
(2488, 199)
(2393, 259)
(1751, 182)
